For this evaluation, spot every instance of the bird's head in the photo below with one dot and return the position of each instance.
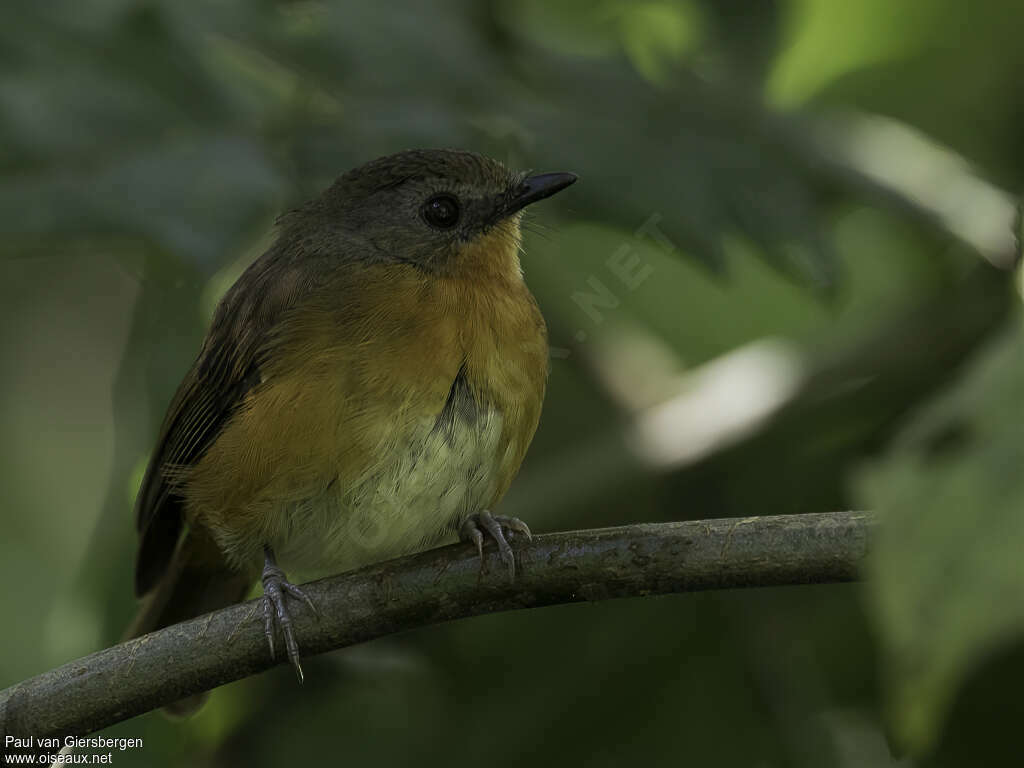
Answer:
(443, 211)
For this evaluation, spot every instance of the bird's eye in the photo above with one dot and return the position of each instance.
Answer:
(441, 211)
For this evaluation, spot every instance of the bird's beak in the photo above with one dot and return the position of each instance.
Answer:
(534, 188)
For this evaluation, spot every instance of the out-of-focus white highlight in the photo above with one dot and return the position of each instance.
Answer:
(935, 178)
(718, 403)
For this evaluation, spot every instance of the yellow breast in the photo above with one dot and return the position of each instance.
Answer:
(336, 458)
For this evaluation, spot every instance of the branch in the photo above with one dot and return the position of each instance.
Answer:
(430, 587)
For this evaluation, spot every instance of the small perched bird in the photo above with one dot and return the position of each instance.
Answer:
(367, 386)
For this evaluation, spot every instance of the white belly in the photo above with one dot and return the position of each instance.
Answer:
(414, 497)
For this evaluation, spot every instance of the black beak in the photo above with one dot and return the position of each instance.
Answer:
(534, 188)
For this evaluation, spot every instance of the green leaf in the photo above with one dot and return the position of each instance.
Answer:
(946, 575)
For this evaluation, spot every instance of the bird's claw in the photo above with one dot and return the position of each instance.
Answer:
(276, 588)
(501, 528)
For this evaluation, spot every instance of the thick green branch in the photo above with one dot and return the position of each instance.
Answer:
(439, 585)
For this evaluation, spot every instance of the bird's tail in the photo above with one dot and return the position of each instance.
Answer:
(197, 580)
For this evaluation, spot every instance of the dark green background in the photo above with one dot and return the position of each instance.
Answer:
(146, 147)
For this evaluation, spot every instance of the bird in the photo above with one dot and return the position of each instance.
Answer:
(367, 387)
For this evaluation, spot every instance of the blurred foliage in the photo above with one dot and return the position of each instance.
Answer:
(145, 149)
(950, 592)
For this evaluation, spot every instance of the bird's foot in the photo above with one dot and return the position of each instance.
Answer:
(498, 527)
(276, 588)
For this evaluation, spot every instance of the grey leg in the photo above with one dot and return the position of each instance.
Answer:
(275, 588)
(498, 527)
